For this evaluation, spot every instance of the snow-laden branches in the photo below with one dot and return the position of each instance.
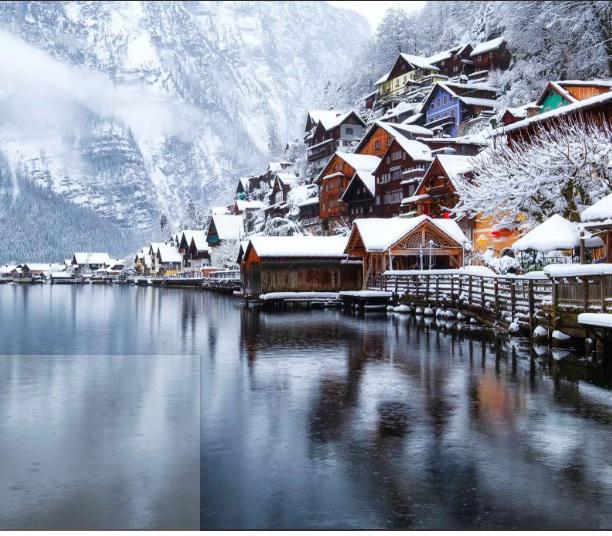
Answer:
(560, 170)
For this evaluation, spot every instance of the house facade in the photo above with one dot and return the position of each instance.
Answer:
(491, 55)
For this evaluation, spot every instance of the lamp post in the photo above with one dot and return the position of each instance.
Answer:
(431, 244)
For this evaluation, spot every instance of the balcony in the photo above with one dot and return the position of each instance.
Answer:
(321, 150)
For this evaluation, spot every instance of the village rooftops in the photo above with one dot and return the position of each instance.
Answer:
(198, 239)
(169, 254)
(359, 162)
(299, 246)
(87, 258)
(379, 234)
(487, 46)
(455, 166)
(561, 87)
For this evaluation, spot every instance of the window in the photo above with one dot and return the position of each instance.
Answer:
(445, 99)
(396, 155)
(394, 196)
(349, 131)
(377, 145)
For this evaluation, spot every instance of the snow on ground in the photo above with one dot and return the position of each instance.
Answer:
(575, 270)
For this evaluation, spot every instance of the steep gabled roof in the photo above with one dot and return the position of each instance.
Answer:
(359, 162)
(418, 62)
(453, 165)
(198, 241)
(169, 254)
(455, 90)
(229, 227)
(487, 46)
(367, 179)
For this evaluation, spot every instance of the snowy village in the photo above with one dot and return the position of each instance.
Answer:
(426, 198)
(305, 265)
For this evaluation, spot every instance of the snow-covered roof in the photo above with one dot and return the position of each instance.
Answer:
(415, 149)
(219, 210)
(300, 246)
(456, 165)
(600, 211)
(367, 179)
(309, 201)
(360, 162)
(419, 62)
(228, 227)
(414, 199)
(44, 267)
(278, 166)
(382, 79)
(154, 247)
(379, 234)
(169, 254)
(556, 233)
(416, 130)
(7, 268)
(401, 108)
(450, 88)
(487, 46)
(198, 239)
(84, 258)
(289, 179)
(243, 205)
(474, 101)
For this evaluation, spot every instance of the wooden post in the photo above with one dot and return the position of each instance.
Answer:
(602, 281)
(531, 304)
(482, 294)
(513, 297)
(470, 290)
(427, 288)
(586, 293)
(452, 300)
(554, 303)
(496, 292)
(437, 288)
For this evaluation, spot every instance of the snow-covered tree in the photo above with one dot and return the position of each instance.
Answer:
(561, 169)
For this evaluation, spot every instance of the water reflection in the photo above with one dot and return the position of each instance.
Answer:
(403, 422)
(314, 419)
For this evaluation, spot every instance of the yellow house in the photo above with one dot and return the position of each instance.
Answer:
(488, 234)
(407, 72)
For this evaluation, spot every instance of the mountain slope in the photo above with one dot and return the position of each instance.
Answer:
(133, 109)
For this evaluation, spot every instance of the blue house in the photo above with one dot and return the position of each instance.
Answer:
(450, 104)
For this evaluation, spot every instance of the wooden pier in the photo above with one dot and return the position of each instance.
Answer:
(552, 302)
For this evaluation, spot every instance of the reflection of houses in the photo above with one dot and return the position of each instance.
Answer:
(597, 220)
(329, 130)
(405, 243)
(224, 227)
(297, 264)
(450, 105)
(333, 181)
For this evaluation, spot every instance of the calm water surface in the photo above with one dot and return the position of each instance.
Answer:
(115, 401)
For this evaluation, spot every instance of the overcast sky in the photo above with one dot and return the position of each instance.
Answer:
(375, 11)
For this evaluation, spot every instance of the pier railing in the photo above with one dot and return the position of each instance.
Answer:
(526, 300)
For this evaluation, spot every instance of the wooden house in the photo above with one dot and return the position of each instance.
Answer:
(360, 195)
(309, 213)
(277, 198)
(596, 109)
(39, 270)
(169, 260)
(407, 73)
(512, 115)
(491, 55)
(450, 104)
(297, 264)
(330, 130)
(396, 176)
(333, 180)
(405, 243)
(379, 136)
(89, 261)
(454, 61)
(242, 188)
(597, 220)
(198, 254)
(142, 262)
(564, 92)
(224, 227)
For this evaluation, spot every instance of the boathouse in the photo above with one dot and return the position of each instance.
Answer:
(405, 243)
(298, 264)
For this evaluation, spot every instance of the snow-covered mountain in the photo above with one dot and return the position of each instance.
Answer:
(133, 109)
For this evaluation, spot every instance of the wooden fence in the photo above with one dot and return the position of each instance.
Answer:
(500, 299)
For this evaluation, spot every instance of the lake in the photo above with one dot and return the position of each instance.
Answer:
(133, 407)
